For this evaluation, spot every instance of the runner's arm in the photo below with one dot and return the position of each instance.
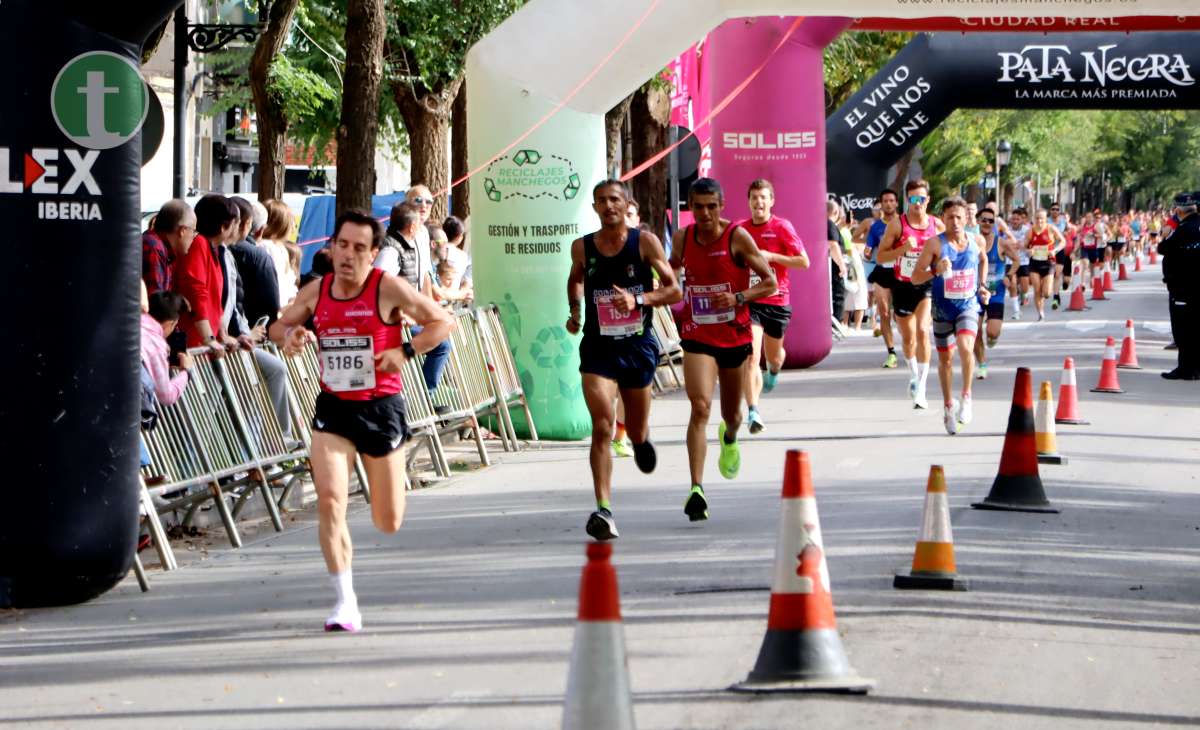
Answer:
(1060, 241)
(798, 260)
(653, 254)
(983, 290)
(924, 270)
(891, 248)
(742, 244)
(435, 322)
(575, 287)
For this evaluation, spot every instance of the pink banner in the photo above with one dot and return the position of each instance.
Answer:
(776, 130)
(685, 82)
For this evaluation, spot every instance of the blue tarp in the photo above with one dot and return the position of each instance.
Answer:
(316, 224)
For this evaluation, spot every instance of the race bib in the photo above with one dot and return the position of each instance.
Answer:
(347, 363)
(908, 263)
(960, 284)
(704, 311)
(1089, 241)
(614, 323)
(1041, 253)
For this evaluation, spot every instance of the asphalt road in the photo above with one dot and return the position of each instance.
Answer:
(1086, 619)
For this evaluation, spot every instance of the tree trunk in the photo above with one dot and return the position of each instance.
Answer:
(365, 26)
(614, 120)
(427, 121)
(272, 121)
(902, 166)
(459, 166)
(649, 126)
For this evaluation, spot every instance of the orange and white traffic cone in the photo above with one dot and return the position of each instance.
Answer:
(1137, 263)
(1108, 370)
(1018, 486)
(1077, 301)
(1068, 397)
(1153, 255)
(801, 651)
(1122, 274)
(1043, 426)
(598, 693)
(933, 560)
(1108, 281)
(1098, 289)
(1129, 359)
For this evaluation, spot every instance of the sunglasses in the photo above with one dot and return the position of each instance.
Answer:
(422, 201)
(917, 199)
(988, 221)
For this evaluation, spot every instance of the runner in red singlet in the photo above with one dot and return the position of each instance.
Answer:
(1044, 243)
(357, 313)
(903, 242)
(716, 257)
(782, 248)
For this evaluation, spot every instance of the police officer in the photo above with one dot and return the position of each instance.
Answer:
(1181, 271)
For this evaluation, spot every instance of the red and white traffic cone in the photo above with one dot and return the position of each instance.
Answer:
(1108, 280)
(1153, 255)
(1108, 370)
(1068, 397)
(1122, 274)
(1129, 359)
(801, 651)
(1098, 289)
(1077, 300)
(598, 693)
(933, 564)
(1137, 263)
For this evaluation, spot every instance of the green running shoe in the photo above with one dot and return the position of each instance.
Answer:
(696, 506)
(621, 448)
(891, 361)
(730, 460)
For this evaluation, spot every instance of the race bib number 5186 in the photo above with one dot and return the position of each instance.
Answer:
(347, 363)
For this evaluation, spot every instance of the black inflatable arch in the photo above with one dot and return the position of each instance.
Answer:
(937, 73)
(70, 154)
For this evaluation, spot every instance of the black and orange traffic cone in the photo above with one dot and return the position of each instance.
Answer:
(801, 651)
(933, 564)
(598, 693)
(1018, 486)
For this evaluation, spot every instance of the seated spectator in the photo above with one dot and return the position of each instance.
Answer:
(276, 238)
(158, 323)
(258, 295)
(170, 236)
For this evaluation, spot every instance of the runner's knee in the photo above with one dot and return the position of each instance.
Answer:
(387, 520)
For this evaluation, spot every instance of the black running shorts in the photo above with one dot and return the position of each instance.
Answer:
(726, 357)
(375, 427)
(630, 362)
(1062, 259)
(773, 318)
(906, 297)
(1041, 268)
(884, 276)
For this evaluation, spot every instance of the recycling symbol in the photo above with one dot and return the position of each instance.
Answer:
(551, 349)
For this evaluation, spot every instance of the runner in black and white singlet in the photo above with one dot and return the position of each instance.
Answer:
(612, 282)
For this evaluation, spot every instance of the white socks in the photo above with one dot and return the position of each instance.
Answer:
(922, 373)
(912, 367)
(343, 585)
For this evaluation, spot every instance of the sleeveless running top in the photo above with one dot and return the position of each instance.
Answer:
(710, 270)
(995, 276)
(1088, 235)
(625, 269)
(956, 291)
(1040, 243)
(907, 264)
(350, 332)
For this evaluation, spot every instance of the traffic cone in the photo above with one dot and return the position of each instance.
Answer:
(1018, 487)
(1153, 255)
(1098, 289)
(1137, 263)
(1108, 284)
(598, 694)
(933, 560)
(1068, 397)
(1077, 300)
(1122, 274)
(1108, 370)
(801, 651)
(1043, 426)
(1129, 359)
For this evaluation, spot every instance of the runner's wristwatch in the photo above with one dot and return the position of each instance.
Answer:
(639, 300)
(740, 298)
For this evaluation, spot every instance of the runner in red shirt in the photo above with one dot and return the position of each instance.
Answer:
(717, 257)
(769, 316)
(357, 311)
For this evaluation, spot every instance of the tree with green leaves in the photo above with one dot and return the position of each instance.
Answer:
(365, 30)
(270, 98)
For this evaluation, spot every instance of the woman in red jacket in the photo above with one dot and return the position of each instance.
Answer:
(198, 274)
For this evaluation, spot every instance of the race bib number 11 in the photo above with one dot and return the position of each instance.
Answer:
(703, 309)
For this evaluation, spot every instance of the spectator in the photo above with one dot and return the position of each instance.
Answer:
(199, 278)
(837, 263)
(422, 201)
(276, 238)
(157, 325)
(456, 234)
(399, 255)
(856, 280)
(322, 264)
(258, 293)
(168, 240)
(446, 289)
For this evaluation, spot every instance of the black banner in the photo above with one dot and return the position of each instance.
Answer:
(937, 73)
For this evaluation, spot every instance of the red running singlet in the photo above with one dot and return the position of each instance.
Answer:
(907, 264)
(708, 271)
(350, 332)
(1039, 244)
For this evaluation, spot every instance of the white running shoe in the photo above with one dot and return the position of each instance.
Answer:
(919, 399)
(912, 387)
(965, 413)
(345, 617)
(949, 419)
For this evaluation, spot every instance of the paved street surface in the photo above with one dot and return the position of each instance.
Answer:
(1085, 619)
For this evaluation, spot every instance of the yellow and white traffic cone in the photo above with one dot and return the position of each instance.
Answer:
(933, 561)
(1043, 427)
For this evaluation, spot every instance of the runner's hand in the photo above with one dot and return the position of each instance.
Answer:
(294, 340)
(623, 301)
(943, 267)
(390, 361)
(724, 300)
(985, 294)
(573, 326)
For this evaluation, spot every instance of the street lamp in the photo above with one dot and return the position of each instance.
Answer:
(1003, 154)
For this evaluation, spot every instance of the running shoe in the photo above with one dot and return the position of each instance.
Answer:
(891, 360)
(1055, 304)
(1041, 316)
(919, 401)
(950, 418)
(912, 387)
(981, 371)
(756, 421)
(696, 506)
(965, 412)
(645, 457)
(730, 460)
(346, 618)
(601, 525)
(769, 379)
(621, 448)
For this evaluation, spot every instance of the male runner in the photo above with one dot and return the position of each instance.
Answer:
(1044, 242)
(972, 226)
(1062, 259)
(612, 279)
(782, 248)
(1020, 231)
(717, 257)
(958, 266)
(883, 277)
(999, 246)
(902, 243)
(1091, 245)
(357, 313)
(620, 443)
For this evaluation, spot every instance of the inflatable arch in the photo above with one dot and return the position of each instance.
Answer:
(546, 77)
(937, 73)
